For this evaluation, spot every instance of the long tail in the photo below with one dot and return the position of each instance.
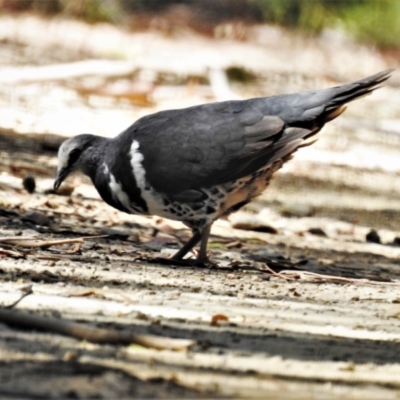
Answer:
(320, 107)
(351, 91)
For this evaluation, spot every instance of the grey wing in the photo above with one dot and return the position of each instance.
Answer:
(186, 150)
(199, 147)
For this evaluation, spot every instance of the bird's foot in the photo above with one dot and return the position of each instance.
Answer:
(190, 263)
(201, 262)
(186, 262)
(201, 259)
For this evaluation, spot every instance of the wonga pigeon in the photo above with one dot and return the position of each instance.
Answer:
(200, 163)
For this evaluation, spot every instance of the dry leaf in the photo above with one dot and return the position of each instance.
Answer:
(218, 318)
(84, 292)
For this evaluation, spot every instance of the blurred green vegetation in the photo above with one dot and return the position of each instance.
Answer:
(373, 21)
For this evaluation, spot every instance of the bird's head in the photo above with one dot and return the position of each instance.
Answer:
(71, 156)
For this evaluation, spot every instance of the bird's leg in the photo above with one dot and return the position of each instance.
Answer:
(188, 246)
(197, 236)
(202, 257)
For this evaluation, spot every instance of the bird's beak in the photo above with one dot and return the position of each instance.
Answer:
(62, 174)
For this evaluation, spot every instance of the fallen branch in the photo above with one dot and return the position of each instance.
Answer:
(56, 257)
(90, 333)
(314, 277)
(29, 241)
(57, 72)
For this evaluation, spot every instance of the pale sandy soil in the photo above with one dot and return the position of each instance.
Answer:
(284, 335)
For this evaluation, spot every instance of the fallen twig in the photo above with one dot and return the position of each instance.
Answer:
(90, 333)
(314, 277)
(30, 241)
(27, 292)
(11, 253)
(56, 257)
(273, 273)
(77, 69)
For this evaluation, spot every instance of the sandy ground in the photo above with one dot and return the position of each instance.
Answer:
(300, 304)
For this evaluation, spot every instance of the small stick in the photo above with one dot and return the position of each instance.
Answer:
(272, 272)
(27, 241)
(338, 279)
(90, 333)
(27, 293)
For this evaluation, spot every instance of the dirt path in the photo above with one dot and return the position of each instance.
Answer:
(322, 321)
(275, 333)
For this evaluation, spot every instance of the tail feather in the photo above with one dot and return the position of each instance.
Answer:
(339, 96)
(313, 119)
(351, 91)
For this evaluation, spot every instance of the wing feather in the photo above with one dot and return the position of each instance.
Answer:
(202, 146)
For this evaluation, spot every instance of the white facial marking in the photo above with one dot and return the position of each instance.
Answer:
(153, 199)
(63, 155)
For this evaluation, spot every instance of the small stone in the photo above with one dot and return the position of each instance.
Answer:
(396, 241)
(317, 232)
(36, 218)
(29, 183)
(373, 236)
(265, 229)
(70, 355)
(252, 223)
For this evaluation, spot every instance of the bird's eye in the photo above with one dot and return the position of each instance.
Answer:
(73, 156)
